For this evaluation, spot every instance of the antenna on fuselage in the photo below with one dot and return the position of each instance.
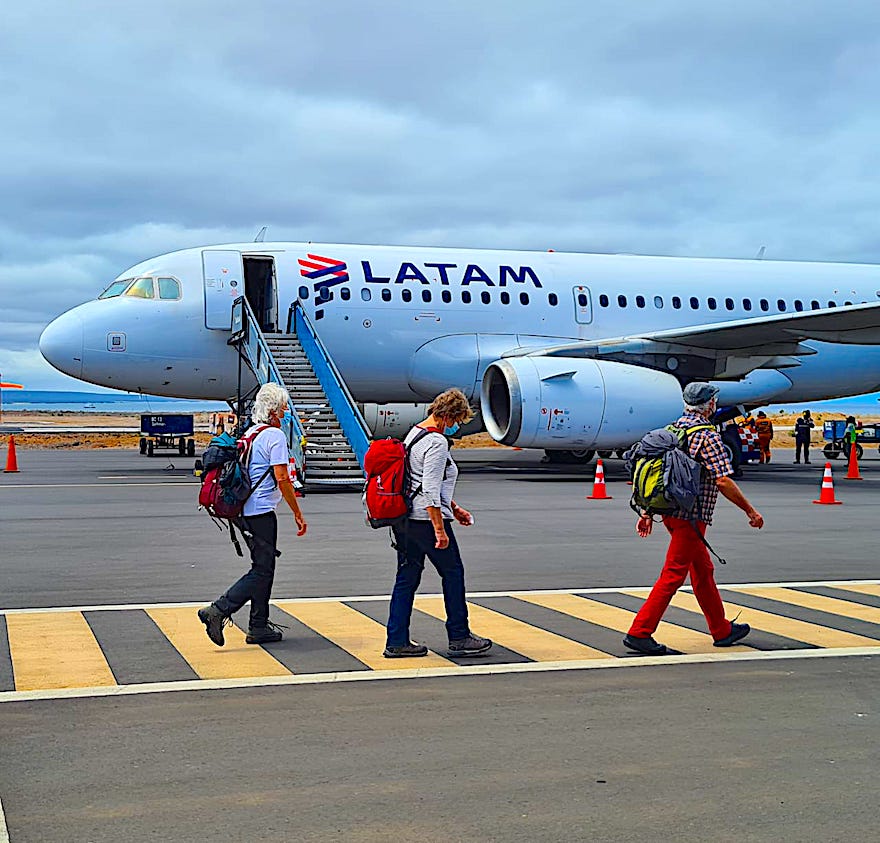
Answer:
(261, 235)
(760, 255)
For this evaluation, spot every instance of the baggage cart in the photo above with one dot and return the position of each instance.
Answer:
(834, 431)
(168, 431)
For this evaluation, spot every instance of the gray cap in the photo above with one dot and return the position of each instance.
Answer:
(698, 392)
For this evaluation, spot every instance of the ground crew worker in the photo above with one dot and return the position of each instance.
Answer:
(687, 552)
(849, 435)
(765, 435)
(802, 428)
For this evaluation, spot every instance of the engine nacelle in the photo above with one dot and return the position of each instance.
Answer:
(565, 403)
(397, 419)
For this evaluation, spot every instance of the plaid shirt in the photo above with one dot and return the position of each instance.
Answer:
(706, 447)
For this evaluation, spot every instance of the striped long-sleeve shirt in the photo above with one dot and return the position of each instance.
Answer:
(432, 472)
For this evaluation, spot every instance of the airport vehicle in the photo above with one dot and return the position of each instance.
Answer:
(834, 432)
(167, 430)
(566, 352)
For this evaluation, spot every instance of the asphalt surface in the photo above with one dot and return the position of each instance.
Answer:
(732, 751)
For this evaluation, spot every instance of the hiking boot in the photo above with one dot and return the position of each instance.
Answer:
(646, 646)
(473, 645)
(268, 634)
(405, 651)
(738, 631)
(214, 621)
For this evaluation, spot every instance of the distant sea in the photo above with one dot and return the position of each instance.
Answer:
(102, 402)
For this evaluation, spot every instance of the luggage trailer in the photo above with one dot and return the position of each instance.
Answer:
(168, 431)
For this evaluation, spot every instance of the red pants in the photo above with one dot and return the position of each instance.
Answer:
(686, 554)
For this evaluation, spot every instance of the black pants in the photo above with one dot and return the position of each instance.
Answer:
(256, 584)
(797, 451)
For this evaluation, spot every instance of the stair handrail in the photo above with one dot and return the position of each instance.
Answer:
(347, 413)
(248, 338)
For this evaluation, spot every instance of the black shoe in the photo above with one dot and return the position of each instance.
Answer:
(798, 462)
(646, 646)
(411, 650)
(473, 645)
(806, 462)
(738, 631)
(214, 621)
(268, 634)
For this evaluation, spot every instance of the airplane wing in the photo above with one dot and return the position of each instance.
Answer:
(732, 349)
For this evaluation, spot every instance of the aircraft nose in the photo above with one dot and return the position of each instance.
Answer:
(61, 343)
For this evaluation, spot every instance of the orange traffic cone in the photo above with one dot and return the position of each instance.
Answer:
(853, 470)
(11, 460)
(599, 493)
(826, 495)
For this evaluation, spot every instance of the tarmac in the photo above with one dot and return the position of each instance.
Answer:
(105, 556)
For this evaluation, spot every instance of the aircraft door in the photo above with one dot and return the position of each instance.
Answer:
(261, 290)
(223, 285)
(583, 306)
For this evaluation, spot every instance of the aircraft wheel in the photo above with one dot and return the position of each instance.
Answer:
(620, 452)
(142, 445)
(577, 457)
(604, 455)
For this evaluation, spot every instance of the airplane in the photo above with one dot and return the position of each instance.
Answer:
(564, 352)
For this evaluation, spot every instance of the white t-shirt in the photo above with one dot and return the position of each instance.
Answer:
(269, 448)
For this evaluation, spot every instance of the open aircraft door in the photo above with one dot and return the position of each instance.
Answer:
(223, 285)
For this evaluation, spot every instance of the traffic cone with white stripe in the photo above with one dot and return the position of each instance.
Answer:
(599, 493)
(826, 496)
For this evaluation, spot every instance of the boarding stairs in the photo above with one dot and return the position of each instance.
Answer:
(327, 433)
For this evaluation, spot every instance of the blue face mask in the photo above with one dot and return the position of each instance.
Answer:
(449, 431)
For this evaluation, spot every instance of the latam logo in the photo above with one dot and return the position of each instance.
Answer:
(325, 272)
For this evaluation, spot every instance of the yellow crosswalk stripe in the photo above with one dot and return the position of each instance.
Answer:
(819, 602)
(357, 634)
(612, 617)
(56, 650)
(864, 588)
(530, 641)
(236, 660)
(809, 633)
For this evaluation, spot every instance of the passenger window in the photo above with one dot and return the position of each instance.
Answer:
(676, 302)
(505, 297)
(303, 293)
(582, 299)
(832, 304)
(345, 294)
(798, 305)
(523, 298)
(765, 305)
(324, 294)
(426, 296)
(621, 301)
(747, 304)
(603, 300)
(117, 288)
(446, 296)
(169, 288)
(406, 294)
(141, 289)
(366, 293)
(640, 301)
(386, 294)
(658, 302)
(781, 305)
(814, 305)
(553, 300)
(695, 303)
(466, 296)
(728, 303)
(485, 297)
(713, 305)
(847, 303)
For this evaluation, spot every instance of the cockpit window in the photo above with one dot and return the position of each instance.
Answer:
(169, 288)
(117, 288)
(141, 289)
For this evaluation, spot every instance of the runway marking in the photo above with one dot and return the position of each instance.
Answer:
(357, 634)
(4, 830)
(831, 605)
(612, 617)
(809, 633)
(62, 653)
(236, 660)
(527, 640)
(84, 485)
(871, 588)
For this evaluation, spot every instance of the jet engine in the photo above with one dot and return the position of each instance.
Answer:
(566, 403)
(397, 419)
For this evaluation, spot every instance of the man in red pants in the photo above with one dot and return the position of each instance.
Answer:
(687, 553)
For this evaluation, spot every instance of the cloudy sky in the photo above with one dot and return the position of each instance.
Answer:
(682, 128)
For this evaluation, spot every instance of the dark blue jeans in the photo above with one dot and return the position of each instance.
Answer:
(256, 584)
(415, 542)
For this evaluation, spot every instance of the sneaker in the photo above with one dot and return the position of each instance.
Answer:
(738, 631)
(268, 634)
(473, 645)
(405, 651)
(214, 621)
(646, 646)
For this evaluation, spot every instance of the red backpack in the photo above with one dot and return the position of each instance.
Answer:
(387, 501)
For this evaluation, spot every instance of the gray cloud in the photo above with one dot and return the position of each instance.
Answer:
(668, 128)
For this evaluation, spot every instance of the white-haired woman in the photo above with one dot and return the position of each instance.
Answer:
(268, 451)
